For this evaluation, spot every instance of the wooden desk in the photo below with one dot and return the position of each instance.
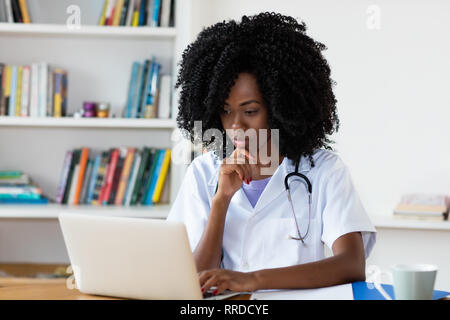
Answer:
(50, 289)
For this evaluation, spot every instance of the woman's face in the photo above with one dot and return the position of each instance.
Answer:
(244, 109)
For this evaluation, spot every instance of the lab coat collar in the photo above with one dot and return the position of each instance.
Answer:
(273, 189)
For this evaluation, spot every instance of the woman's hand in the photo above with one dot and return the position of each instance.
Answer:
(226, 279)
(233, 171)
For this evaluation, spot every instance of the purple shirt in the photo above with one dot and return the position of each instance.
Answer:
(254, 189)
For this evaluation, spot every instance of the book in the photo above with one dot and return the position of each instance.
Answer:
(149, 12)
(165, 97)
(34, 91)
(24, 201)
(86, 181)
(132, 179)
(80, 179)
(111, 12)
(12, 97)
(142, 13)
(90, 193)
(75, 159)
(155, 12)
(63, 177)
(135, 20)
(18, 91)
(50, 89)
(25, 99)
(24, 11)
(130, 12)
(57, 98)
(117, 12)
(131, 90)
(123, 15)
(2, 81)
(117, 174)
(4, 103)
(110, 176)
(147, 177)
(161, 176)
(104, 11)
(141, 87)
(9, 11)
(165, 13)
(423, 207)
(43, 82)
(16, 11)
(101, 173)
(20, 190)
(3, 17)
(73, 184)
(64, 94)
(153, 177)
(124, 176)
(140, 174)
(151, 100)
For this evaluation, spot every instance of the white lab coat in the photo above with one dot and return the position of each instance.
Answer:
(258, 238)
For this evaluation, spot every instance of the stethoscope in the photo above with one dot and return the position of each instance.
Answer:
(308, 186)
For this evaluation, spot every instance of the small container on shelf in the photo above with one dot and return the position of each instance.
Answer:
(89, 109)
(103, 110)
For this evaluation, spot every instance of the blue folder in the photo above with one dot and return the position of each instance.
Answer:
(367, 291)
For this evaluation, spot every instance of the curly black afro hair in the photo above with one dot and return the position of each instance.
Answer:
(292, 75)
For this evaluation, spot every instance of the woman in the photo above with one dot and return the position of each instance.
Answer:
(246, 234)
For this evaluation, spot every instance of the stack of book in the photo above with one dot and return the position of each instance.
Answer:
(423, 207)
(135, 13)
(14, 11)
(149, 92)
(17, 188)
(35, 90)
(118, 176)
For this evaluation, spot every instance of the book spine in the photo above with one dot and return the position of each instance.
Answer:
(132, 89)
(83, 163)
(57, 112)
(7, 91)
(86, 181)
(124, 177)
(147, 180)
(165, 97)
(146, 76)
(156, 10)
(34, 97)
(16, 11)
(9, 11)
(64, 176)
(137, 5)
(154, 177)
(16, 190)
(161, 176)
(140, 175)
(117, 174)
(110, 176)
(71, 176)
(93, 179)
(104, 11)
(132, 180)
(124, 14)
(73, 184)
(165, 13)
(117, 12)
(64, 87)
(2, 84)
(136, 93)
(25, 91)
(111, 12)
(151, 107)
(43, 81)
(12, 98)
(100, 179)
(19, 91)
(130, 12)
(24, 10)
(142, 10)
(50, 86)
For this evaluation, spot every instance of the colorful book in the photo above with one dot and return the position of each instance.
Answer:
(151, 107)
(146, 178)
(140, 174)
(156, 12)
(100, 178)
(24, 201)
(131, 89)
(117, 174)
(156, 168)
(24, 10)
(73, 185)
(161, 176)
(25, 99)
(93, 179)
(130, 13)
(20, 190)
(57, 98)
(4, 96)
(111, 13)
(110, 176)
(132, 180)
(137, 6)
(18, 91)
(124, 177)
(80, 178)
(10, 174)
(104, 11)
(86, 181)
(117, 12)
(75, 159)
(34, 94)
(142, 13)
(141, 87)
(12, 97)
(124, 13)
(64, 177)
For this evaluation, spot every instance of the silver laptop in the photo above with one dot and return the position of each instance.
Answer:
(131, 258)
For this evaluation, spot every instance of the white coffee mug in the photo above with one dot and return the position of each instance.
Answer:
(410, 281)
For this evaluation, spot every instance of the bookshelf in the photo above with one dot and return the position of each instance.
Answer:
(98, 60)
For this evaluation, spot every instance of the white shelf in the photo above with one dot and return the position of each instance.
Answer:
(6, 121)
(391, 223)
(54, 30)
(51, 211)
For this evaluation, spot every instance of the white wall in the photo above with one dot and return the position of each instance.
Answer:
(392, 87)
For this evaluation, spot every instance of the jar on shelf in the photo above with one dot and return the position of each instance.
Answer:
(89, 109)
(103, 110)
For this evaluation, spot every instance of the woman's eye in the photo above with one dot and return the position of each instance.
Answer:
(225, 111)
(250, 111)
